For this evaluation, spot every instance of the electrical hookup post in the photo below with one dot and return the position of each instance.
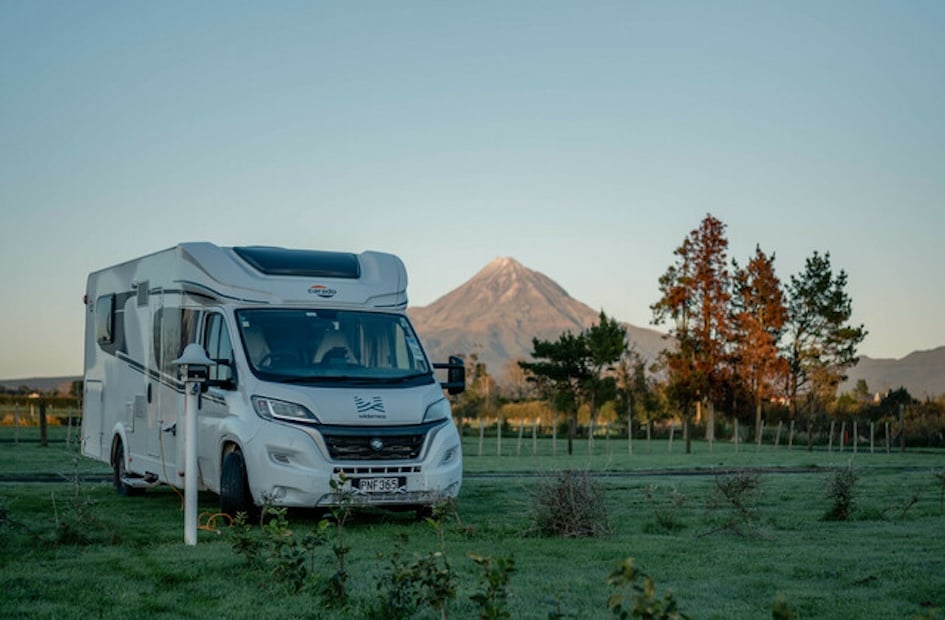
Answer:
(193, 367)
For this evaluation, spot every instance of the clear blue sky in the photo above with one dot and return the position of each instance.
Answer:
(585, 139)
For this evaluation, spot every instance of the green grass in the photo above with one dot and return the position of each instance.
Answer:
(887, 562)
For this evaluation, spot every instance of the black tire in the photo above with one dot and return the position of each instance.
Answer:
(235, 496)
(119, 472)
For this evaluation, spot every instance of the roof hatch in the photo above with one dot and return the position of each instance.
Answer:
(304, 263)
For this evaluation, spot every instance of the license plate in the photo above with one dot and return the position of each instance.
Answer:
(380, 485)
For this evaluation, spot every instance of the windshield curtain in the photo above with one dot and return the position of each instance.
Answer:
(313, 344)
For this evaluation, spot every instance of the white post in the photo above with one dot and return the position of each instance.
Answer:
(190, 464)
(194, 366)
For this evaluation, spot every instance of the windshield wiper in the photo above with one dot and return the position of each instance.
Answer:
(322, 379)
(403, 378)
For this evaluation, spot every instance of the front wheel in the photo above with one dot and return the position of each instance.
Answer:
(119, 473)
(235, 496)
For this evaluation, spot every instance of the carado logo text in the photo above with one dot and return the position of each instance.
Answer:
(322, 291)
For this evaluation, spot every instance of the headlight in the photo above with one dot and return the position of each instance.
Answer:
(440, 410)
(269, 408)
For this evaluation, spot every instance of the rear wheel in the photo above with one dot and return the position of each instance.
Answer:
(119, 473)
(234, 486)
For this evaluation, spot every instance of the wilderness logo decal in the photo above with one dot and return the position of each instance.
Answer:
(370, 408)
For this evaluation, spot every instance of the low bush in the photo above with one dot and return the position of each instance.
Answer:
(570, 504)
(841, 490)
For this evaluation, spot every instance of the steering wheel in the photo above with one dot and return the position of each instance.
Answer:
(278, 358)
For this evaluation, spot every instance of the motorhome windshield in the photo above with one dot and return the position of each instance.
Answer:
(316, 345)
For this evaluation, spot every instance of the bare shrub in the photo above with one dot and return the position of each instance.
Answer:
(841, 491)
(570, 504)
(733, 503)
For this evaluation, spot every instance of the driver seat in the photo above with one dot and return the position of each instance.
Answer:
(334, 349)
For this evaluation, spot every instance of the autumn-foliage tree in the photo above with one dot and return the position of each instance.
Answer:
(758, 316)
(696, 298)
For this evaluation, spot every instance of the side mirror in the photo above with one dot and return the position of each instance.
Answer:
(455, 375)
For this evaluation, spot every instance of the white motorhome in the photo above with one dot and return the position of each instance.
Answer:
(317, 372)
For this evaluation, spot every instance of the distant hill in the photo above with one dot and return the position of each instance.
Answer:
(498, 311)
(61, 385)
(922, 373)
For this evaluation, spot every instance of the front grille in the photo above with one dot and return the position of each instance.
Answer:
(377, 443)
(360, 448)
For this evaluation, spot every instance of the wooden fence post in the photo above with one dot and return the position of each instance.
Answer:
(482, 433)
(777, 438)
(790, 437)
(843, 434)
(856, 439)
(735, 437)
(535, 437)
(830, 439)
(554, 434)
(872, 435)
(521, 431)
(629, 435)
(672, 431)
(498, 436)
(902, 428)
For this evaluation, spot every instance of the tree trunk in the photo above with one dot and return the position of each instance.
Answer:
(572, 431)
(43, 437)
(710, 421)
(757, 420)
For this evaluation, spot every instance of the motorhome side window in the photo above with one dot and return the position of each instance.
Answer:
(216, 342)
(173, 330)
(105, 319)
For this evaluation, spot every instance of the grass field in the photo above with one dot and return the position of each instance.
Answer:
(76, 549)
